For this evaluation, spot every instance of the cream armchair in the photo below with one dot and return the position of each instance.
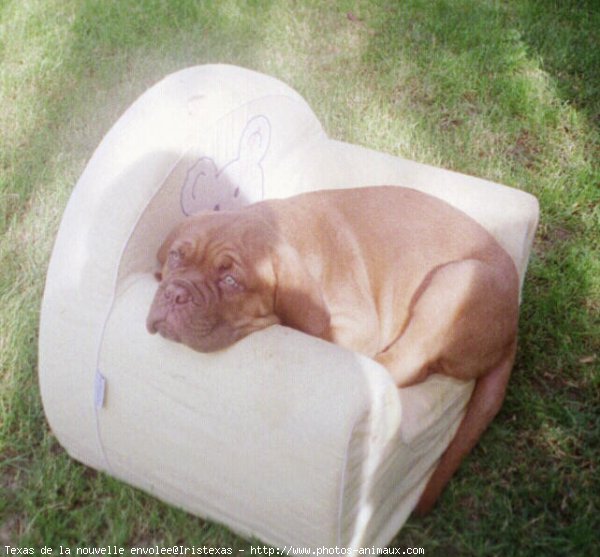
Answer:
(282, 437)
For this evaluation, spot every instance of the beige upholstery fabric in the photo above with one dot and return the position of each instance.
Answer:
(283, 436)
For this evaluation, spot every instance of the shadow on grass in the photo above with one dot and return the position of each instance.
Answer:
(467, 67)
(565, 37)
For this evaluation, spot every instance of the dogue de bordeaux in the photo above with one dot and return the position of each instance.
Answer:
(386, 271)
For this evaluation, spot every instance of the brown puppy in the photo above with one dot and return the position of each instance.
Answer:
(390, 272)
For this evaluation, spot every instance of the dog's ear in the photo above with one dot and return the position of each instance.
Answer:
(299, 299)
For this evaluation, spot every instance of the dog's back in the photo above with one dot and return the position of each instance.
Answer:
(372, 248)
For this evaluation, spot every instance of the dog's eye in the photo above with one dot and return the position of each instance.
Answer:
(230, 284)
(228, 280)
(179, 254)
(175, 258)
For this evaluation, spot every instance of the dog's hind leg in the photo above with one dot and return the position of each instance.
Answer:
(462, 319)
(463, 324)
(485, 403)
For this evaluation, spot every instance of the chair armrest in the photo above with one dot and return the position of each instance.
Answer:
(266, 423)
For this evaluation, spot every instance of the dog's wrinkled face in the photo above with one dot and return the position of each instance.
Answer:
(216, 283)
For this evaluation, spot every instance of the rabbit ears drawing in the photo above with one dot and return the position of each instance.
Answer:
(238, 183)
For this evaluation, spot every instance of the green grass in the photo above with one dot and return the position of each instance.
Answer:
(507, 90)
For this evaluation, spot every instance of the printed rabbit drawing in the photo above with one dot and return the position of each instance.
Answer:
(238, 183)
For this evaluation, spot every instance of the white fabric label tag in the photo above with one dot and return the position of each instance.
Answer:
(99, 389)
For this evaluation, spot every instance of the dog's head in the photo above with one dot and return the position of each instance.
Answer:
(225, 275)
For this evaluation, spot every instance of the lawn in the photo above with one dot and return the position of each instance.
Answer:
(506, 90)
